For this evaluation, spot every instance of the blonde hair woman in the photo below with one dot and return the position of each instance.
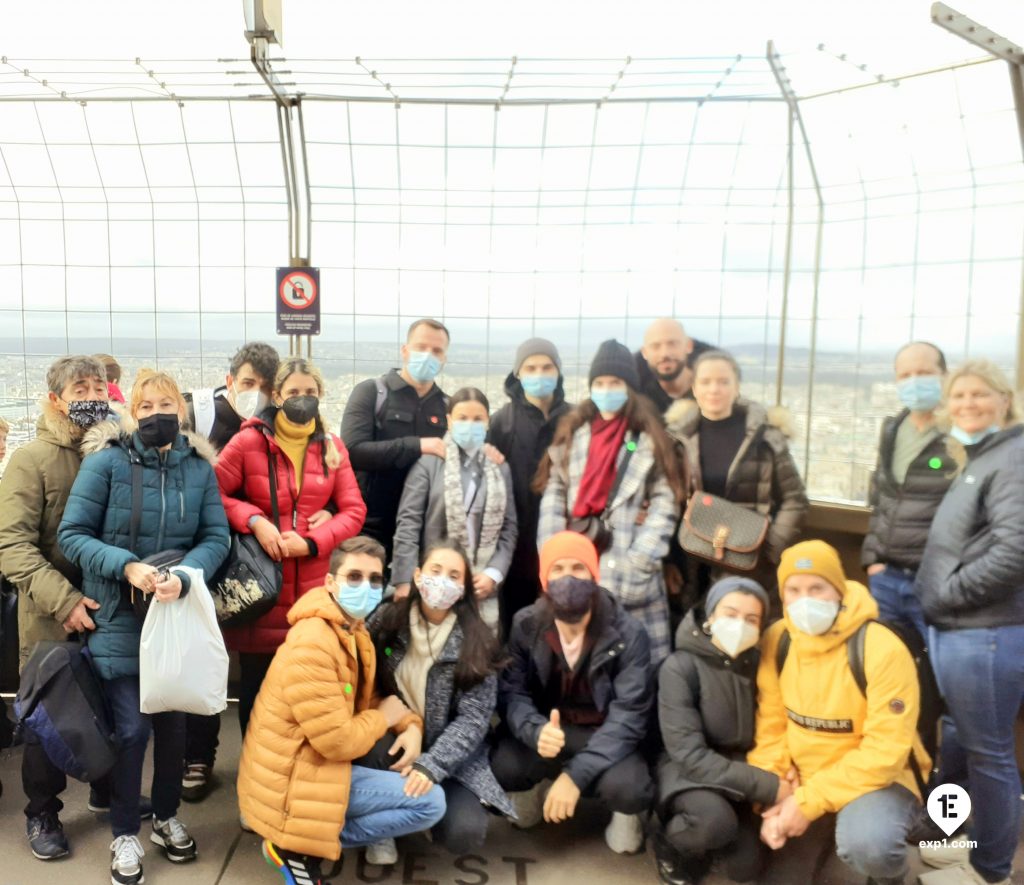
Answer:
(311, 472)
(971, 587)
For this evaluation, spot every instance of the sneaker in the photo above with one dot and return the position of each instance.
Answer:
(46, 836)
(940, 857)
(175, 840)
(126, 861)
(244, 824)
(625, 833)
(196, 781)
(383, 853)
(672, 869)
(99, 803)
(529, 805)
(964, 874)
(295, 869)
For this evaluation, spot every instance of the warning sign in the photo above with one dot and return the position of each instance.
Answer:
(298, 301)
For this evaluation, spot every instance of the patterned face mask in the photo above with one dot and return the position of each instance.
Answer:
(86, 413)
(440, 592)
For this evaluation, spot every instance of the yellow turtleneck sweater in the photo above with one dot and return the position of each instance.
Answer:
(293, 440)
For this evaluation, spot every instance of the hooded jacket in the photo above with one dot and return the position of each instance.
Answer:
(522, 434)
(972, 571)
(620, 679)
(706, 705)
(181, 509)
(315, 713)
(243, 473)
(814, 717)
(762, 477)
(902, 513)
(649, 385)
(33, 495)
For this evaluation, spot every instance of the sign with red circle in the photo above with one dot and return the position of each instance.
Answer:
(298, 301)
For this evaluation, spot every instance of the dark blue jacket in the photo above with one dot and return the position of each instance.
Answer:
(181, 508)
(972, 571)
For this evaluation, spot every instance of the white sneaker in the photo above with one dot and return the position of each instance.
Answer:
(529, 805)
(964, 874)
(625, 833)
(940, 857)
(383, 853)
(126, 861)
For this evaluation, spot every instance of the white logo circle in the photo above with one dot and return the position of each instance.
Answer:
(949, 806)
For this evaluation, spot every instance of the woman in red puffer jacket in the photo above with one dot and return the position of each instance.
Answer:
(313, 475)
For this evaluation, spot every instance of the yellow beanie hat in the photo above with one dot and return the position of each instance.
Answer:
(813, 558)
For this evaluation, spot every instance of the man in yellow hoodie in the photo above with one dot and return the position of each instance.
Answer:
(849, 750)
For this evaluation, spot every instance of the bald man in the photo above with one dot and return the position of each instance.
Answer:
(664, 361)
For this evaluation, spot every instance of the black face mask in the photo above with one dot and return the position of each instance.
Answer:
(301, 409)
(571, 598)
(86, 413)
(158, 430)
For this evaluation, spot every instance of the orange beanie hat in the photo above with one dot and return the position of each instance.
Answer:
(813, 558)
(568, 545)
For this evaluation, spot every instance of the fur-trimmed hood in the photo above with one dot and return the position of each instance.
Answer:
(683, 417)
(114, 431)
(54, 426)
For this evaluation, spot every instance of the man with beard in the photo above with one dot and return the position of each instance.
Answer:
(664, 362)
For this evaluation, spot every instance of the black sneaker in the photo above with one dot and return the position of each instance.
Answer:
(46, 837)
(126, 861)
(172, 836)
(196, 781)
(99, 803)
(295, 869)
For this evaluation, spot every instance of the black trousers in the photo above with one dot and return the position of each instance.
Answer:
(625, 787)
(703, 823)
(463, 829)
(252, 669)
(202, 735)
(43, 782)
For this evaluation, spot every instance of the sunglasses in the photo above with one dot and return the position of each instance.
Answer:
(355, 577)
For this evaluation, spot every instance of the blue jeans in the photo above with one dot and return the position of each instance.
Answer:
(893, 590)
(132, 729)
(378, 809)
(871, 832)
(981, 676)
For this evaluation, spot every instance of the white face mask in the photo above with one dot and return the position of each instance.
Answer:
(249, 402)
(733, 635)
(813, 616)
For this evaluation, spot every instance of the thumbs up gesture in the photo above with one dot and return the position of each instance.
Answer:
(551, 739)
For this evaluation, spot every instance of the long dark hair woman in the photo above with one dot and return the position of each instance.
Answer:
(436, 653)
(616, 431)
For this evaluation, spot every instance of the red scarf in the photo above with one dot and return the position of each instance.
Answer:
(605, 441)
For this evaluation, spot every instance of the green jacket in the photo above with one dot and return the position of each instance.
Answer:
(33, 493)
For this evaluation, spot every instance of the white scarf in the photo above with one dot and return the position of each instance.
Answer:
(426, 642)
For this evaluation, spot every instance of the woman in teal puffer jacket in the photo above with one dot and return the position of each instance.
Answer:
(181, 509)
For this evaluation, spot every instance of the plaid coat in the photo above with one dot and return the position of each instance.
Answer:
(642, 517)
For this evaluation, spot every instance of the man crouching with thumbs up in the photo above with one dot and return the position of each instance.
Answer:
(576, 699)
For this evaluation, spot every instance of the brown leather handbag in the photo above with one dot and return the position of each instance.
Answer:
(721, 532)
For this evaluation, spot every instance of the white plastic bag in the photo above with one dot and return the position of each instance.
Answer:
(183, 664)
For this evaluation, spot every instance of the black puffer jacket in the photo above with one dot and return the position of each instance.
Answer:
(972, 572)
(649, 385)
(621, 683)
(522, 434)
(763, 475)
(706, 703)
(901, 514)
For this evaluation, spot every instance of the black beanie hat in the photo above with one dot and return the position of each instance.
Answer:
(613, 358)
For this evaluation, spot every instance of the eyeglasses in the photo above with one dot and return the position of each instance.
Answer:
(355, 578)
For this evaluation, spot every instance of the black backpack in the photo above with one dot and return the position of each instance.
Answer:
(931, 705)
(61, 702)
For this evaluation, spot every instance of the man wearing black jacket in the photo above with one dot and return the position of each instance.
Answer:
(522, 430)
(910, 480)
(664, 363)
(390, 421)
(576, 700)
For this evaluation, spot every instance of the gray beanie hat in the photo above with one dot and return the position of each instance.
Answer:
(537, 347)
(731, 584)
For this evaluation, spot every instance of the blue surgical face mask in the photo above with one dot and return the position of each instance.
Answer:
(921, 393)
(539, 386)
(609, 400)
(423, 365)
(972, 439)
(359, 601)
(469, 435)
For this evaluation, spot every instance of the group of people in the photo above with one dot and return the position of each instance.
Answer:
(491, 614)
